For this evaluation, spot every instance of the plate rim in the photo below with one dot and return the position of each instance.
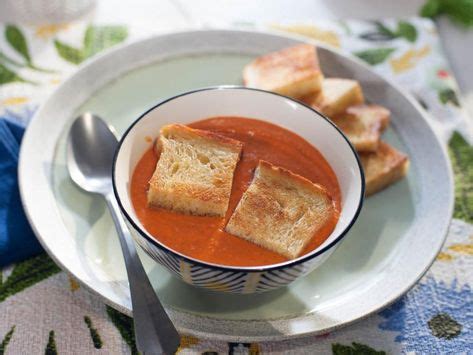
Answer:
(23, 181)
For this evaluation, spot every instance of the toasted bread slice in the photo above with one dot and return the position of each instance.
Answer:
(336, 96)
(281, 211)
(383, 167)
(292, 71)
(194, 173)
(363, 125)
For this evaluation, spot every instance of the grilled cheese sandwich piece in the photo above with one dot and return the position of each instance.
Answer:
(383, 167)
(194, 173)
(336, 96)
(281, 211)
(363, 125)
(292, 71)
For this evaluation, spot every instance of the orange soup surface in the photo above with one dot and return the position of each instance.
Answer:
(204, 237)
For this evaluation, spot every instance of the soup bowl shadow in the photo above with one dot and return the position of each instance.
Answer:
(238, 101)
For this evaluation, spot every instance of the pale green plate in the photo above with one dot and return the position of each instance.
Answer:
(375, 259)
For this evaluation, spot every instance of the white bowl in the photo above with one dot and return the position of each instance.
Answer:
(252, 103)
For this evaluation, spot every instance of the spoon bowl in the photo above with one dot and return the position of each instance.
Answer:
(90, 149)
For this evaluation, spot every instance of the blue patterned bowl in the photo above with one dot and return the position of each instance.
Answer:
(243, 102)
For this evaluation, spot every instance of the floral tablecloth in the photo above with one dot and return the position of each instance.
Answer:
(43, 310)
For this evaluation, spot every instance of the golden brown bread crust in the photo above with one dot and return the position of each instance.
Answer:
(336, 96)
(383, 167)
(185, 132)
(281, 211)
(370, 112)
(293, 71)
(277, 172)
(194, 173)
(363, 125)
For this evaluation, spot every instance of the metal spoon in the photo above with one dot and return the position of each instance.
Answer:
(91, 147)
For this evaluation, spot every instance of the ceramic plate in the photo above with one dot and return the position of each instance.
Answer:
(392, 244)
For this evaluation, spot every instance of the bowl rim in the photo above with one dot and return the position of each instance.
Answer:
(262, 268)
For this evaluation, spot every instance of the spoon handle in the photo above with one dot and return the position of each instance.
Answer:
(154, 331)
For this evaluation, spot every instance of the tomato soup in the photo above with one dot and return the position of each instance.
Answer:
(204, 238)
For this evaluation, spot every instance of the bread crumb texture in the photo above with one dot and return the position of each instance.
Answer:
(293, 71)
(194, 172)
(281, 211)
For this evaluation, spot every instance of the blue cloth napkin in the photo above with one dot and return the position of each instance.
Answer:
(17, 240)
